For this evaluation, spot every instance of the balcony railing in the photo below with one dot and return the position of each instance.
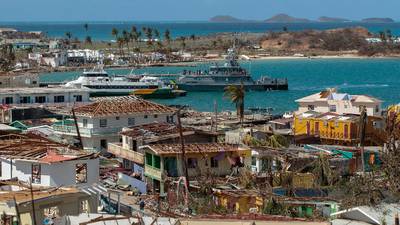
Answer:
(152, 172)
(71, 130)
(117, 150)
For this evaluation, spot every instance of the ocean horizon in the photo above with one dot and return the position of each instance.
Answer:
(101, 30)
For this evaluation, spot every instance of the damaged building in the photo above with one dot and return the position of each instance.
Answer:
(100, 122)
(32, 158)
(165, 160)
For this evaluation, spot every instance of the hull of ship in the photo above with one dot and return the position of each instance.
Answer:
(221, 87)
(148, 94)
(158, 93)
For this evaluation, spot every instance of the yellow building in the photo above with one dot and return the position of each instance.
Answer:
(239, 201)
(332, 128)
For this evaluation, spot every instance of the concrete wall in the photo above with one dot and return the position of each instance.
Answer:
(342, 107)
(69, 97)
(68, 204)
(57, 174)
(114, 126)
(28, 80)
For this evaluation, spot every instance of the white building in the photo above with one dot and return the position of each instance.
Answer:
(340, 103)
(87, 54)
(43, 96)
(100, 122)
(46, 163)
(53, 59)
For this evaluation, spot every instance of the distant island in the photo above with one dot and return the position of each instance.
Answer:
(332, 19)
(225, 19)
(378, 20)
(284, 18)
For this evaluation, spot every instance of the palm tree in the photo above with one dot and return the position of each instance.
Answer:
(114, 32)
(134, 34)
(126, 37)
(69, 36)
(120, 42)
(236, 94)
(159, 45)
(156, 34)
(149, 35)
(167, 36)
(86, 26)
(88, 40)
(193, 38)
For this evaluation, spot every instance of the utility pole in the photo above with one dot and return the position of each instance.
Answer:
(17, 211)
(80, 144)
(184, 161)
(32, 202)
(216, 115)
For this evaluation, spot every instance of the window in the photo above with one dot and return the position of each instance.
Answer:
(192, 163)
(377, 109)
(103, 122)
(117, 118)
(81, 173)
(84, 207)
(51, 212)
(9, 100)
(25, 99)
(103, 143)
(145, 116)
(310, 107)
(78, 98)
(157, 161)
(84, 122)
(155, 116)
(332, 108)
(149, 159)
(214, 162)
(59, 98)
(36, 173)
(253, 161)
(40, 99)
(131, 121)
(170, 119)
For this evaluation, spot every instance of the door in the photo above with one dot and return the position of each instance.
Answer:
(103, 144)
(308, 127)
(346, 131)
(316, 128)
(170, 166)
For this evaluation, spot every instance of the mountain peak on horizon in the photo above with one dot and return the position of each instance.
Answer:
(284, 18)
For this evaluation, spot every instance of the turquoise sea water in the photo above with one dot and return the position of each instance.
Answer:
(102, 30)
(376, 77)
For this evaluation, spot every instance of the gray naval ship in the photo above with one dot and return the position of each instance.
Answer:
(230, 73)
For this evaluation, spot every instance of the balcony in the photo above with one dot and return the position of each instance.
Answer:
(152, 172)
(133, 156)
(86, 132)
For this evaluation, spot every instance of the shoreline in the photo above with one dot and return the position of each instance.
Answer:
(194, 63)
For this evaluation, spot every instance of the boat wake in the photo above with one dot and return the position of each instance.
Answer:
(341, 86)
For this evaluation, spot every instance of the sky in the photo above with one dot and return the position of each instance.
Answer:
(190, 10)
